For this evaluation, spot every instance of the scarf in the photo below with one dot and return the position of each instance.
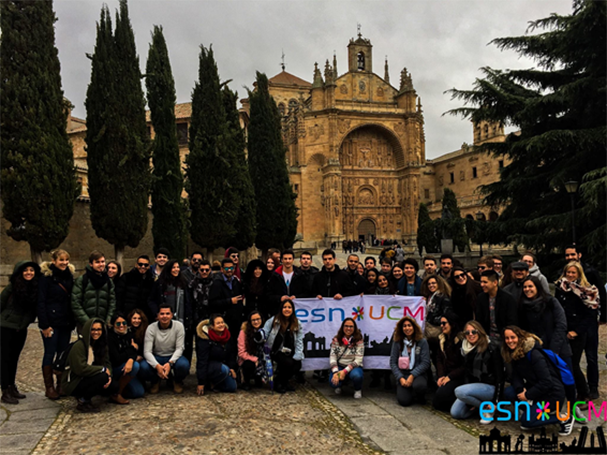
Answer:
(408, 344)
(588, 295)
(222, 338)
(98, 280)
(479, 366)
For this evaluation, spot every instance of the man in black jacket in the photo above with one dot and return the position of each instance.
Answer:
(495, 308)
(200, 286)
(359, 283)
(331, 281)
(520, 272)
(308, 270)
(134, 288)
(225, 297)
(572, 253)
(289, 284)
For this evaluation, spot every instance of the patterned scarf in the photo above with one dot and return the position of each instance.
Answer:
(588, 295)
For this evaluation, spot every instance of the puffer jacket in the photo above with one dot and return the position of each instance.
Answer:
(14, 314)
(90, 302)
(79, 363)
(55, 296)
(210, 356)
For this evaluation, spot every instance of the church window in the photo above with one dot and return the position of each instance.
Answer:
(426, 193)
(451, 177)
(281, 109)
(292, 105)
(360, 59)
(182, 133)
(474, 173)
(501, 164)
(296, 188)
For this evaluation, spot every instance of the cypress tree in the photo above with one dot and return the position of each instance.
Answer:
(454, 226)
(169, 224)
(213, 196)
(38, 182)
(558, 106)
(277, 220)
(116, 137)
(245, 222)
(426, 232)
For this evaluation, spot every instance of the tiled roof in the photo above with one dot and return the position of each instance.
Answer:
(285, 78)
(182, 111)
(77, 125)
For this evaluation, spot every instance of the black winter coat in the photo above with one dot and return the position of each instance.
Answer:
(492, 372)
(277, 287)
(506, 310)
(210, 356)
(548, 322)
(464, 299)
(55, 297)
(450, 361)
(359, 282)
(220, 300)
(580, 318)
(158, 297)
(328, 284)
(120, 348)
(309, 275)
(133, 292)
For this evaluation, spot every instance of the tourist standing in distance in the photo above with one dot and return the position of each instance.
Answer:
(484, 373)
(226, 297)
(580, 302)
(200, 289)
(520, 272)
(93, 294)
(163, 351)
(289, 284)
(134, 288)
(464, 292)
(215, 358)
(331, 281)
(495, 308)
(88, 371)
(18, 305)
(346, 358)
(162, 257)
(409, 362)
(55, 318)
(284, 336)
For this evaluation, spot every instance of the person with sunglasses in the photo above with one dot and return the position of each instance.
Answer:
(226, 297)
(135, 287)
(200, 287)
(464, 292)
(191, 270)
(484, 373)
(123, 357)
(450, 363)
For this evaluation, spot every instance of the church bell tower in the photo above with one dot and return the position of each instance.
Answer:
(360, 55)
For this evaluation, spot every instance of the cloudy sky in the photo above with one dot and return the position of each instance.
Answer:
(443, 43)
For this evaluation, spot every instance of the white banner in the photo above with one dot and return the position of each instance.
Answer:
(375, 315)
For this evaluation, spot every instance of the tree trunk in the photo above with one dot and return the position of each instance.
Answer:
(119, 254)
(36, 255)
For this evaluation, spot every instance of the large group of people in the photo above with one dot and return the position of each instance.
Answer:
(489, 334)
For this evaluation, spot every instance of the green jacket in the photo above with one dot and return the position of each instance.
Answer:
(12, 314)
(77, 366)
(90, 302)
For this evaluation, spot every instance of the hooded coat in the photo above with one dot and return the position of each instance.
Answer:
(210, 356)
(80, 361)
(13, 313)
(55, 296)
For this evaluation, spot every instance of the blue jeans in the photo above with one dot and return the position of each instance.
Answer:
(180, 370)
(532, 422)
(56, 344)
(229, 383)
(356, 375)
(470, 396)
(134, 389)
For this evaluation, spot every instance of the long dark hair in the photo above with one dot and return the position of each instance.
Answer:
(139, 332)
(541, 294)
(99, 346)
(252, 284)
(25, 291)
(249, 333)
(399, 336)
(356, 335)
(167, 279)
(291, 323)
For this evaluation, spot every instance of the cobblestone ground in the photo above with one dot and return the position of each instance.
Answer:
(248, 422)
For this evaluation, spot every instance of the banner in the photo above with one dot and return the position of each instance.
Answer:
(375, 315)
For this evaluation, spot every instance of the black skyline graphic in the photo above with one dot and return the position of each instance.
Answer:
(496, 442)
(317, 347)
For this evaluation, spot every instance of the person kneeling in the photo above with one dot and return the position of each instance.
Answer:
(163, 351)
(347, 352)
(409, 361)
(215, 356)
(88, 370)
(251, 358)
(123, 356)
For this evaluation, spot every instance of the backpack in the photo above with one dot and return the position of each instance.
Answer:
(555, 360)
(59, 364)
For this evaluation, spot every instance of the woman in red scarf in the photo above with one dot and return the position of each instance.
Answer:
(216, 356)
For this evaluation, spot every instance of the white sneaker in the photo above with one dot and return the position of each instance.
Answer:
(486, 421)
(358, 394)
(338, 391)
(566, 427)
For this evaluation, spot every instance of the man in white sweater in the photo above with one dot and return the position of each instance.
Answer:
(163, 352)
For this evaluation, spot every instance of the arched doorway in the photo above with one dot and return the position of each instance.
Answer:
(366, 231)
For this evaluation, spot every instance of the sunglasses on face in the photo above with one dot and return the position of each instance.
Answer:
(141, 264)
(205, 270)
(470, 332)
(196, 260)
(119, 324)
(228, 269)
(459, 277)
(444, 323)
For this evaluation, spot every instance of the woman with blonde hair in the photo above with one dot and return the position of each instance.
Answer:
(484, 372)
(580, 300)
(409, 361)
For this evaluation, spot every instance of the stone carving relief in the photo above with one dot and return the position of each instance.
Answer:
(462, 175)
(343, 89)
(399, 127)
(343, 125)
(486, 168)
(362, 87)
(316, 131)
(380, 92)
(365, 197)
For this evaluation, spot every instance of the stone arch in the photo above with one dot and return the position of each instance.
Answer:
(397, 148)
(366, 195)
(367, 228)
(493, 215)
(318, 159)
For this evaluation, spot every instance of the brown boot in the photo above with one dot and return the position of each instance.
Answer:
(58, 386)
(118, 398)
(47, 374)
